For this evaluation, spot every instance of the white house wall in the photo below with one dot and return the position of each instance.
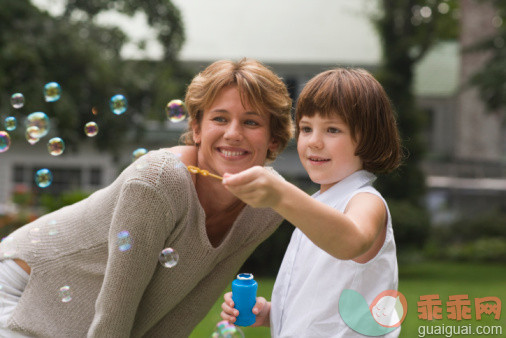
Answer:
(23, 154)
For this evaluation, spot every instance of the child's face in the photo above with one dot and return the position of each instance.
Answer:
(327, 150)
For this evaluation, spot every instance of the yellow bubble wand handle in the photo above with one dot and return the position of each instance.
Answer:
(196, 170)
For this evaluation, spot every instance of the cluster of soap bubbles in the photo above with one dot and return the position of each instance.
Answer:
(226, 330)
(168, 257)
(37, 125)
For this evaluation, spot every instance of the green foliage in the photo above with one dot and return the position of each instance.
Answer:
(408, 30)
(481, 238)
(51, 202)
(84, 58)
(266, 259)
(490, 78)
(161, 14)
(411, 225)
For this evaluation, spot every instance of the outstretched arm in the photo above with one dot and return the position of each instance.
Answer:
(345, 235)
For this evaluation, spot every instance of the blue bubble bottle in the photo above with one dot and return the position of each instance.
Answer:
(244, 295)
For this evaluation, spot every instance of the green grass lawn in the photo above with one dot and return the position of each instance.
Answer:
(442, 278)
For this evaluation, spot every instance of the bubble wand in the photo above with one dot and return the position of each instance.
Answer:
(196, 170)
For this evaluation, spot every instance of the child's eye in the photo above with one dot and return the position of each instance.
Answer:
(305, 129)
(333, 130)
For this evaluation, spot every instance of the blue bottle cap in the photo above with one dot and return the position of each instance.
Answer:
(245, 276)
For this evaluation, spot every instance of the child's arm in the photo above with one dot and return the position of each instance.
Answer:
(262, 310)
(347, 235)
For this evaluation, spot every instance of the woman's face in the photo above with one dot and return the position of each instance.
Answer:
(232, 137)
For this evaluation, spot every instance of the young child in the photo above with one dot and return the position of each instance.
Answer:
(346, 133)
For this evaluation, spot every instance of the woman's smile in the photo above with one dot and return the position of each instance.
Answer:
(232, 153)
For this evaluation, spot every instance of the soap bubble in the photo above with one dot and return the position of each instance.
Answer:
(17, 100)
(168, 257)
(5, 141)
(138, 153)
(10, 123)
(34, 235)
(176, 111)
(56, 146)
(43, 178)
(91, 129)
(52, 92)
(94, 111)
(33, 130)
(124, 241)
(39, 120)
(9, 246)
(141, 165)
(226, 330)
(53, 227)
(65, 294)
(118, 104)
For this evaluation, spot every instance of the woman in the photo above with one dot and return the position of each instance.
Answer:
(92, 268)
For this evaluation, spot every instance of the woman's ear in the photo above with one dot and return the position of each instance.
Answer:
(196, 131)
(273, 145)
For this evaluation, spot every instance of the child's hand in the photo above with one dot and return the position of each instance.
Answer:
(255, 186)
(261, 309)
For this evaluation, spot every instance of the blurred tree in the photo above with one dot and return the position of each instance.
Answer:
(408, 29)
(490, 79)
(84, 58)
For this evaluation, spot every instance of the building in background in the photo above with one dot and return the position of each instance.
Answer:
(466, 162)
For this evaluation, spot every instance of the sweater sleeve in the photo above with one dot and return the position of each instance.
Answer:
(141, 222)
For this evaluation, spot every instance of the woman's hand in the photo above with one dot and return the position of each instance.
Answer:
(261, 309)
(255, 186)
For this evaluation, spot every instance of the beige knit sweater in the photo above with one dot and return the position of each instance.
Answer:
(121, 293)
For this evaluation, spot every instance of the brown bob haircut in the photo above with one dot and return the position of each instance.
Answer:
(361, 102)
(256, 83)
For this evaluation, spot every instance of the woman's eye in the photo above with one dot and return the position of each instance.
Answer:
(333, 130)
(305, 129)
(219, 119)
(251, 123)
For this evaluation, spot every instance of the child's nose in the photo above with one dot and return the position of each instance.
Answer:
(315, 141)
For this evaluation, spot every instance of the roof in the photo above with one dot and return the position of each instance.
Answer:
(437, 74)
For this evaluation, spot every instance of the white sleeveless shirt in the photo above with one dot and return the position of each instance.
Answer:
(305, 298)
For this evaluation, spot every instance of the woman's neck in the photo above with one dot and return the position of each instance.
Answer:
(215, 198)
